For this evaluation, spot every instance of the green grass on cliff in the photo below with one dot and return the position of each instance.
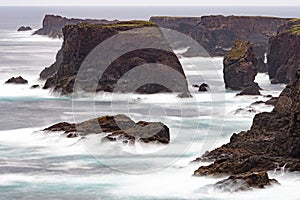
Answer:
(240, 48)
(134, 23)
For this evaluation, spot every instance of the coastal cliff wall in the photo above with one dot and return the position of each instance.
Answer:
(81, 39)
(284, 55)
(53, 24)
(217, 33)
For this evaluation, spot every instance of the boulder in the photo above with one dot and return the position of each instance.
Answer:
(17, 80)
(34, 86)
(25, 28)
(239, 66)
(251, 90)
(118, 127)
(203, 87)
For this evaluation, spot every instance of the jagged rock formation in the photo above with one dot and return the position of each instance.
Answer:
(217, 33)
(24, 28)
(53, 24)
(272, 142)
(117, 127)
(16, 80)
(284, 55)
(240, 66)
(81, 39)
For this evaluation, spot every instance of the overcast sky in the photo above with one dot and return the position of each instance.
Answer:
(149, 2)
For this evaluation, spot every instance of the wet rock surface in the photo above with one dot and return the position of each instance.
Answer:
(239, 66)
(118, 127)
(16, 80)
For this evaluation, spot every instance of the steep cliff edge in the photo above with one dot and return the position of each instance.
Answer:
(240, 66)
(217, 33)
(81, 39)
(284, 55)
(272, 142)
(53, 24)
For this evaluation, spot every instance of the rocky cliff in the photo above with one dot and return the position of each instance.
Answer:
(53, 24)
(81, 39)
(240, 66)
(284, 55)
(272, 142)
(217, 33)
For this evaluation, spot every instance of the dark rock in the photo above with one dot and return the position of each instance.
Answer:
(251, 90)
(34, 86)
(53, 24)
(203, 87)
(262, 67)
(272, 141)
(184, 95)
(284, 55)
(239, 66)
(273, 101)
(81, 39)
(244, 182)
(16, 80)
(118, 127)
(217, 33)
(196, 85)
(25, 28)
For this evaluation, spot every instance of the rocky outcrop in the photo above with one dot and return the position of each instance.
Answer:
(251, 90)
(118, 127)
(81, 39)
(284, 55)
(245, 182)
(240, 66)
(217, 33)
(24, 28)
(53, 24)
(16, 80)
(272, 142)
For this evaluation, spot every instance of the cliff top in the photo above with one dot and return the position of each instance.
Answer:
(239, 50)
(130, 24)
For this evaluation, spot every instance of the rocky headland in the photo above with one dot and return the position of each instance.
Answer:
(53, 24)
(284, 55)
(239, 66)
(82, 38)
(271, 143)
(118, 127)
(218, 33)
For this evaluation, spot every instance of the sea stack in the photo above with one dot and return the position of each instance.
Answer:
(79, 40)
(240, 66)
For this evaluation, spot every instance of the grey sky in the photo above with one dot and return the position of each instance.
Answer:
(149, 2)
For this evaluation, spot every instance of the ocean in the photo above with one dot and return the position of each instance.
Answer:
(39, 165)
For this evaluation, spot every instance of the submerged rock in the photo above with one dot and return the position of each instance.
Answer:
(203, 87)
(24, 28)
(240, 66)
(251, 90)
(118, 127)
(17, 80)
(272, 142)
(244, 182)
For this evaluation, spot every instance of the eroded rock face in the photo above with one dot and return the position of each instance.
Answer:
(272, 142)
(240, 66)
(284, 55)
(53, 24)
(16, 80)
(81, 39)
(217, 33)
(117, 127)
